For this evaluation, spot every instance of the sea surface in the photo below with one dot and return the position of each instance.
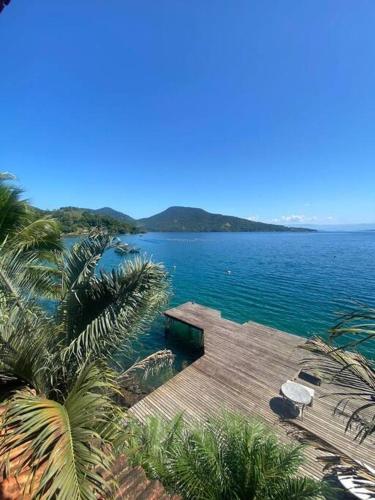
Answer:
(296, 282)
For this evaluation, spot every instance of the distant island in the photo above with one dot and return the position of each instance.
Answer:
(76, 220)
(186, 219)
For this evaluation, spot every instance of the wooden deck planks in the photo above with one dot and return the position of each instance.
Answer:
(242, 369)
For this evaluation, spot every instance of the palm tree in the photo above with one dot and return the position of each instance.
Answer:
(63, 362)
(227, 457)
(63, 447)
(32, 241)
(3, 3)
(352, 374)
(21, 229)
(358, 326)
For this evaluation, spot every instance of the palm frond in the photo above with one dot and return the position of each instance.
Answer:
(81, 260)
(151, 365)
(46, 280)
(13, 210)
(150, 444)
(7, 176)
(27, 346)
(65, 440)
(355, 327)
(77, 267)
(301, 488)
(139, 377)
(354, 379)
(18, 277)
(39, 236)
(226, 457)
(114, 308)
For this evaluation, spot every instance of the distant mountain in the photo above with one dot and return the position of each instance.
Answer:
(186, 219)
(115, 214)
(75, 220)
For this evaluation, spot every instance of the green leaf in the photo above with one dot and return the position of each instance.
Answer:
(68, 441)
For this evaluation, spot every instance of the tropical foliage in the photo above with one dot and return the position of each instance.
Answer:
(3, 3)
(355, 327)
(63, 420)
(228, 457)
(352, 374)
(64, 443)
(20, 227)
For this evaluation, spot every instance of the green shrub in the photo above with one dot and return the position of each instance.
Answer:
(228, 457)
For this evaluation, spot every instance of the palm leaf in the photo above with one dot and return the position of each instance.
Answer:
(151, 365)
(65, 440)
(40, 236)
(356, 327)
(19, 224)
(114, 308)
(354, 379)
(26, 347)
(77, 266)
(22, 276)
(228, 457)
(13, 210)
(81, 260)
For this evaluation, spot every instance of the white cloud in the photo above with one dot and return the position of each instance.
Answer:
(293, 218)
(299, 218)
(296, 218)
(253, 217)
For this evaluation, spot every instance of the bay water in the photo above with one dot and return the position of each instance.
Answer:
(296, 282)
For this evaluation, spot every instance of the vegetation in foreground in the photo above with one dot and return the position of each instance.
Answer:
(228, 457)
(351, 372)
(22, 230)
(61, 423)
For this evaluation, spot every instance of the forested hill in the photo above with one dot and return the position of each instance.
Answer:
(196, 220)
(115, 214)
(75, 220)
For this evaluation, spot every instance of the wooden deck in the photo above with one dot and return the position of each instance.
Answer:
(242, 369)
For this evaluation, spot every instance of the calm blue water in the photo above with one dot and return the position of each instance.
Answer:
(293, 281)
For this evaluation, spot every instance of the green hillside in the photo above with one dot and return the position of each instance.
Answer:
(75, 220)
(115, 214)
(196, 220)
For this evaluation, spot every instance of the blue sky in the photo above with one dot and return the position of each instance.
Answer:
(262, 109)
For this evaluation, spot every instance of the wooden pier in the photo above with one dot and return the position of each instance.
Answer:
(242, 369)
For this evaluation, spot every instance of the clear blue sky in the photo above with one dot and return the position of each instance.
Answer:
(253, 108)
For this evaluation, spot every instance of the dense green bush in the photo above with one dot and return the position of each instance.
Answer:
(228, 457)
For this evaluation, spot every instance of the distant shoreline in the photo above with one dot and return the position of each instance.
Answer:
(86, 233)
